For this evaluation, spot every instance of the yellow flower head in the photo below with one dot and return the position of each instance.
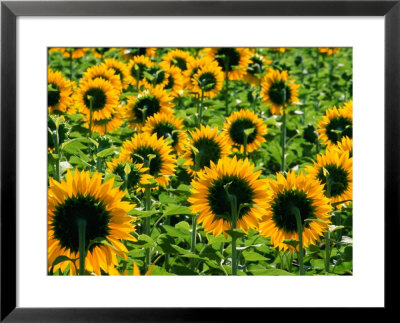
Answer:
(154, 153)
(232, 60)
(97, 95)
(137, 66)
(329, 51)
(278, 90)
(149, 102)
(178, 58)
(85, 197)
(236, 125)
(58, 93)
(210, 195)
(258, 65)
(106, 73)
(335, 171)
(120, 69)
(167, 126)
(336, 124)
(206, 146)
(306, 195)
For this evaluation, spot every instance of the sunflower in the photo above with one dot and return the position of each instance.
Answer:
(155, 75)
(149, 102)
(238, 122)
(329, 51)
(336, 124)
(105, 98)
(345, 144)
(231, 60)
(206, 146)
(258, 65)
(136, 68)
(208, 78)
(193, 67)
(82, 196)
(137, 176)
(120, 69)
(106, 125)
(99, 52)
(142, 147)
(166, 125)
(58, 92)
(106, 73)
(67, 52)
(305, 193)
(278, 90)
(210, 199)
(334, 167)
(178, 58)
(128, 53)
(176, 80)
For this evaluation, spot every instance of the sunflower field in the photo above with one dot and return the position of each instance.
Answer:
(200, 161)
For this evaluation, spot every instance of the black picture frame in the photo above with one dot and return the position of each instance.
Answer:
(10, 10)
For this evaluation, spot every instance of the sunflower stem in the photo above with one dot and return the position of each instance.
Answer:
(71, 70)
(90, 115)
(82, 247)
(234, 213)
(328, 234)
(226, 86)
(56, 139)
(147, 195)
(316, 69)
(201, 106)
(193, 240)
(245, 145)
(296, 212)
(283, 141)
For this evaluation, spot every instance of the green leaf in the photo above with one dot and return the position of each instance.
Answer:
(144, 241)
(252, 256)
(236, 233)
(142, 213)
(106, 152)
(249, 131)
(61, 259)
(270, 272)
(176, 209)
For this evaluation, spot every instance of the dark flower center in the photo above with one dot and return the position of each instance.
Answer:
(157, 75)
(338, 178)
(219, 201)
(146, 106)
(279, 93)
(207, 81)
(232, 58)
(179, 62)
(165, 129)
(209, 150)
(53, 95)
(98, 99)
(170, 84)
(117, 71)
(137, 71)
(137, 51)
(144, 152)
(65, 221)
(236, 131)
(338, 128)
(283, 215)
(257, 66)
(133, 177)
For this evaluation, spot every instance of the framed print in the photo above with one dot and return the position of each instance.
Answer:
(189, 153)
